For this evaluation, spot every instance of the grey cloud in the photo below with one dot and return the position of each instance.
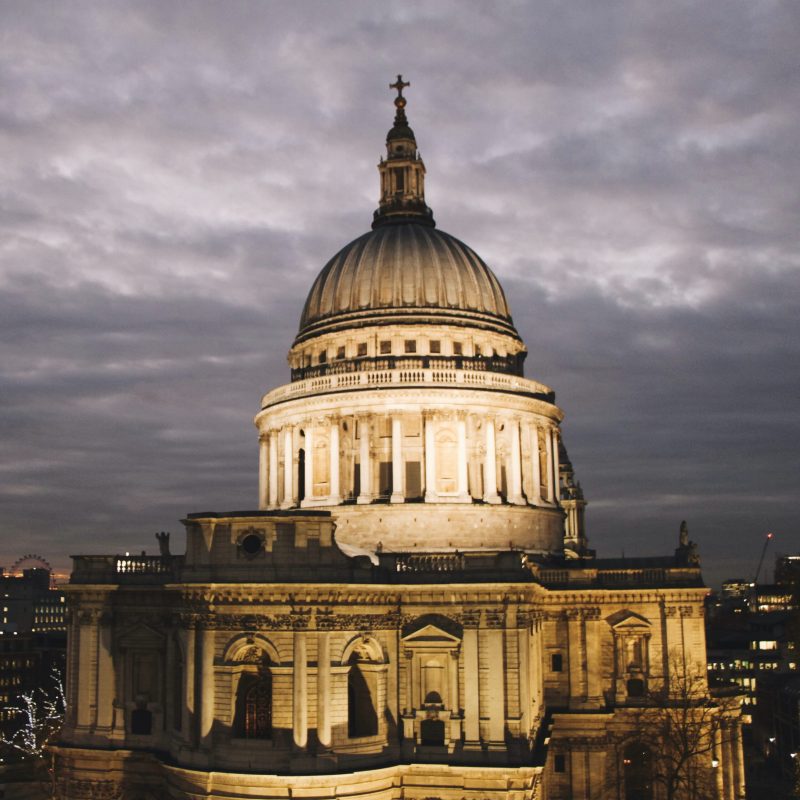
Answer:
(176, 174)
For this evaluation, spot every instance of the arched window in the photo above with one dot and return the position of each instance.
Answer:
(254, 706)
(362, 719)
(637, 772)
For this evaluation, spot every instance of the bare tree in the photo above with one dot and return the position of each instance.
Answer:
(671, 744)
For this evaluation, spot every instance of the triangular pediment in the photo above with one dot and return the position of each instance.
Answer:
(141, 636)
(430, 633)
(628, 620)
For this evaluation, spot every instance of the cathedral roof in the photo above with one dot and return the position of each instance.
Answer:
(406, 272)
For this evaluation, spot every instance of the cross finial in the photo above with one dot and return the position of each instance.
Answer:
(399, 84)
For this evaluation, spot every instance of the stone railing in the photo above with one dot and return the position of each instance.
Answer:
(619, 578)
(430, 562)
(510, 365)
(124, 569)
(438, 377)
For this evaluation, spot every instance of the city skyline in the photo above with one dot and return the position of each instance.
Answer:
(175, 182)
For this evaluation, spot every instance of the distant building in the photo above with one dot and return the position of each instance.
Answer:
(31, 603)
(33, 642)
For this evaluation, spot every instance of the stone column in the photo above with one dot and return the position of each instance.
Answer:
(288, 469)
(728, 760)
(523, 648)
(594, 689)
(365, 467)
(105, 677)
(324, 689)
(431, 494)
(273, 469)
(463, 488)
(187, 722)
(308, 472)
(263, 471)
(536, 489)
(169, 683)
(738, 757)
(335, 494)
(577, 658)
(515, 488)
(719, 772)
(452, 681)
(490, 466)
(87, 675)
(398, 465)
(300, 692)
(207, 637)
(548, 443)
(556, 467)
(496, 688)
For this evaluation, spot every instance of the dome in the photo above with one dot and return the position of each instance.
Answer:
(405, 272)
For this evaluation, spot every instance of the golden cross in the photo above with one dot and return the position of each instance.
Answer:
(399, 85)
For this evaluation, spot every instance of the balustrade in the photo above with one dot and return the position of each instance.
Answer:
(415, 377)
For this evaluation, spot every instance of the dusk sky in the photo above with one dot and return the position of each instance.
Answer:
(174, 175)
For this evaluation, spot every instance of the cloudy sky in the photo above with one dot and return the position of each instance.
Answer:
(174, 175)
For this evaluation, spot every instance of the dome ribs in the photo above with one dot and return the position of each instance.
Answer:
(398, 268)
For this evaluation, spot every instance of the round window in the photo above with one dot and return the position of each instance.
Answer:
(251, 544)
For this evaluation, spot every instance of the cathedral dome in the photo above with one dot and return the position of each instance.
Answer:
(405, 272)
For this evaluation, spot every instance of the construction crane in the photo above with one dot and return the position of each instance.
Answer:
(767, 539)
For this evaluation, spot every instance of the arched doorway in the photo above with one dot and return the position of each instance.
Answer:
(254, 706)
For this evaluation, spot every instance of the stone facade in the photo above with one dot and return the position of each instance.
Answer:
(412, 611)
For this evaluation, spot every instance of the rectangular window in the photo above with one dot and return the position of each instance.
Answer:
(340, 352)
(385, 347)
(556, 662)
(410, 346)
(477, 349)
(362, 349)
(435, 346)
(385, 478)
(458, 349)
(399, 180)
(323, 356)
(413, 480)
(559, 763)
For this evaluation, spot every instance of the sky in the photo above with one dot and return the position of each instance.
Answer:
(174, 175)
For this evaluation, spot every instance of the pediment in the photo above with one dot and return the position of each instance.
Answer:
(141, 636)
(628, 620)
(430, 634)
